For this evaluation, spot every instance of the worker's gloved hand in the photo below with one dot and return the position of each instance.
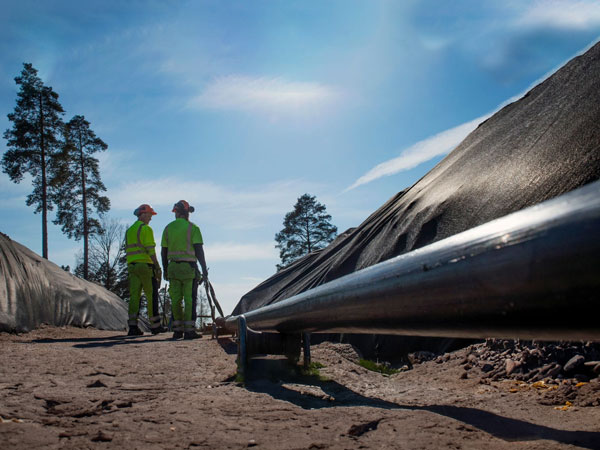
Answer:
(166, 276)
(157, 273)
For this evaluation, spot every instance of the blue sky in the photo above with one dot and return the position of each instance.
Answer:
(240, 107)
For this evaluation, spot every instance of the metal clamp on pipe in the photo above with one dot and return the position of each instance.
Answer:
(252, 343)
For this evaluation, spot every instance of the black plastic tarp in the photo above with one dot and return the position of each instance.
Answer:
(543, 145)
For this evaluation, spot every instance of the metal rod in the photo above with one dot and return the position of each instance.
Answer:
(306, 349)
(534, 274)
(210, 292)
(242, 361)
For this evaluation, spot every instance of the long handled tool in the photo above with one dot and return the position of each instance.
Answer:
(212, 301)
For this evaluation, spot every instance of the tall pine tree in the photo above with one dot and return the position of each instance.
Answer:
(34, 142)
(80, 190)
(305, 229)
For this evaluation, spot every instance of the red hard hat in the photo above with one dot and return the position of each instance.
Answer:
(144, 209)
(182, 206)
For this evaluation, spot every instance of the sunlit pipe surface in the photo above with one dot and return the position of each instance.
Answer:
(534, 274)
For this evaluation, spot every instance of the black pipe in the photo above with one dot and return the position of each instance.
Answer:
(534, 274)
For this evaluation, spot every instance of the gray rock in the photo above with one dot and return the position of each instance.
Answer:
(511, 366)
(553, 371)
(487, 368)
(574, 363)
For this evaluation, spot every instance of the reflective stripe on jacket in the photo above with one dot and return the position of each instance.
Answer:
(139, 243)
(179, 238)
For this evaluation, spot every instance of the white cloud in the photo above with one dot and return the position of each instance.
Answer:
(422, 151)
(435, 43)
(562, 14)
(117, 163)
(437, 145)
(231, 251)
(228, 294)
(253, 280)
(65, 255)
(14, 195)
(231, 208)
(242, 93)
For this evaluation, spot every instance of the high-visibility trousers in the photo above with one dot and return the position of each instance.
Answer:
(141, 278)
(181, 278)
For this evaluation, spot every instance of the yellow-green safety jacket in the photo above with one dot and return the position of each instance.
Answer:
(139, 243)
(179, 238)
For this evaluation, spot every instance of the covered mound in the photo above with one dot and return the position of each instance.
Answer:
(541, 146)
(34, 291)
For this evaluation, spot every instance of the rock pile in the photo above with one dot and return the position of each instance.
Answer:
(533, 361)
(564, 373)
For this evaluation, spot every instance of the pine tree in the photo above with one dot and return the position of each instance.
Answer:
(305, 229)
(34, 141)
(80, 185)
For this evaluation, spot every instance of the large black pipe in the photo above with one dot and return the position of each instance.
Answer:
(534, 274)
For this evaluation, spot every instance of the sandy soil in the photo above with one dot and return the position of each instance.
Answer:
(84, 388)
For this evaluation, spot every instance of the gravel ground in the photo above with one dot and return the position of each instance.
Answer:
(84, 388)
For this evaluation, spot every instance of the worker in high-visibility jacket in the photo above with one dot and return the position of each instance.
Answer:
(143, 269)
(181, 248)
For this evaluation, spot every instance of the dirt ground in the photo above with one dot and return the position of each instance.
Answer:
(77, 388)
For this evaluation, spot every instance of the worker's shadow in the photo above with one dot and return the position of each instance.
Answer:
(94, 342)
(313, 392)
(110, 341)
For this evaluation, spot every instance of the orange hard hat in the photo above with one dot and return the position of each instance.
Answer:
(144, 209)
(182, 206)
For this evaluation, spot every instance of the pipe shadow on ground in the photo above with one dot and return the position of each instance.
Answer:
(273, 382)
(228, 345)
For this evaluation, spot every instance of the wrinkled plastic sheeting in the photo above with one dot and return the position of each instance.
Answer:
(35, 291)
(537, 148)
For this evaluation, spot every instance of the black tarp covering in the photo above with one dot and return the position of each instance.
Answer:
(543, 145)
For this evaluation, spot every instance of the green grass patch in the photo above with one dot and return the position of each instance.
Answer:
(313, 371)
(375, 367)
(239, 378)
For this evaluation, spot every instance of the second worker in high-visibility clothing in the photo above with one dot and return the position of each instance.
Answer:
(181, 247)
(143, 269)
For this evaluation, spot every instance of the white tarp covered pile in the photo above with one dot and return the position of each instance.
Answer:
(35, 291)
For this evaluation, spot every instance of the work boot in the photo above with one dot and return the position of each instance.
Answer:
(177, 335)
(158, 330)
(192, 335)
(135, 331)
